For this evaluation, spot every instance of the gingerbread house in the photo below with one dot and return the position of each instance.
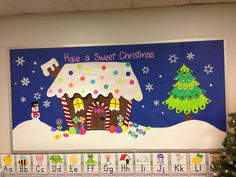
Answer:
(98, 91)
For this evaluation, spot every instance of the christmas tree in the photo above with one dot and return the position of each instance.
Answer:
(225, 166)
(186, 96)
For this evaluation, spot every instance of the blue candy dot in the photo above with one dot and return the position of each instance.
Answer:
(115, 72)
(92, 81)
(128, 73)
(70, 72)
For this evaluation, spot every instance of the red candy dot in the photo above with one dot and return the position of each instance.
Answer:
(104, 68)
(82, 78)
(95, 92)
(131, 82)
(112, 129)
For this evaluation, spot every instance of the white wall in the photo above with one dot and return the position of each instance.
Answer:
(133, 26)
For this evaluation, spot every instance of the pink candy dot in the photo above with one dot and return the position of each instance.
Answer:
(59, 90)
(95, 92)
(101, 77)
(50, 91)
(104, 67)
(131, 82)
(82, 78)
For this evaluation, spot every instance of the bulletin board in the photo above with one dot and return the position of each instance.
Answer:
(118, 97)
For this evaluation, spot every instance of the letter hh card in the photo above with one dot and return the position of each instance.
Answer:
(197, 163)
(73, 164)
(160, 164)
(40, 164)
(23, 163)
(143, 163)
(91, 164)
(7, 163)
(125, 163)
(179, 164)
(56, 163)
(108, 164)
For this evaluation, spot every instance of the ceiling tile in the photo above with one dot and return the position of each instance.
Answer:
(43, 6)
(158, 3)
(211, 1)
(92, 5)
(8, 9)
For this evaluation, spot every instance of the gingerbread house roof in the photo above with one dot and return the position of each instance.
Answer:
(97, 78)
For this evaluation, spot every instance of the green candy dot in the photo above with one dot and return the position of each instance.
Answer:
(79, 66)
(105, 86)
(60, 79)
(120, 81)
(83, 91)
(128, 64)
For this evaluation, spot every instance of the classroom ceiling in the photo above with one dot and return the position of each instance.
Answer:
(22, 7)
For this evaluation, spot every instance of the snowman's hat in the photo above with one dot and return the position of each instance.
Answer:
(34, 104)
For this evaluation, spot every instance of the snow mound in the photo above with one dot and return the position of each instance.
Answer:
(187, 135)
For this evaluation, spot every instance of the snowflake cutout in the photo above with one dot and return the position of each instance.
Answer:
(41, 88)
(156, 102)
(37, 96)
(190, 56)
(173, 58)
(25, 81)
(160, 76)
(143, 106)
(35, 63)
(145, 70)
(33, 71)
(46, 104)
(23, 99)
(162, 113)
(211, 85)
(20, 61)
(149, 87)
(208, 69)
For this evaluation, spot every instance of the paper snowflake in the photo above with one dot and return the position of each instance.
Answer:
(190, 56)
(145, 70)
(23, 99)
(25, 81)
(20, 61)
(46, 104)
(37, 96)
(156, 102)
(35, 63)
(208, 69)
(173, 58)
(149, 87)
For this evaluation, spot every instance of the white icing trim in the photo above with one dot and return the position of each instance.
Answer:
(49, 64)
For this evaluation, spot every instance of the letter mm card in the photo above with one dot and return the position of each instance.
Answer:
(179, 164)
(108, 164)
(210, 159)
(160, 164)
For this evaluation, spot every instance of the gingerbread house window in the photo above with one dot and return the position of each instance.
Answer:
(78, 104)
(115, 104)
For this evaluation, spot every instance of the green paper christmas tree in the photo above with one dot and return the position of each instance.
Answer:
(225, 166)
(186, 96)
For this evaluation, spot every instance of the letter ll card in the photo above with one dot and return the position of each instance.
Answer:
(160, 164)
(40, 164)
(90, 163)
(197, 163)
(125, 163)
(108, 163)
(179, 164)
(56, 163)
(143, 163)
(73, 163)
(23, 163)
(7, 163)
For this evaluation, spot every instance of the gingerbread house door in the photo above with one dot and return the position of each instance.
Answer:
(98, 116)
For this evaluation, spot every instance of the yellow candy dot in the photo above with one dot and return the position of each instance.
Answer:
(138, 96)
(120, 81)
(83, 91)
(88, 70)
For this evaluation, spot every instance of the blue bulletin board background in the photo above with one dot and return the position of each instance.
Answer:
(155, 67)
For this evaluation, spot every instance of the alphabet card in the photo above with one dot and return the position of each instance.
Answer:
(91, 163)
(56, 163)
(125, 163)
(210, 167)
(179, 164)
(73, 164)
(40, 163)
(108, 164)
(23, 163)
(197, 163)
(142, 163)
(8, 163)
(160, 164)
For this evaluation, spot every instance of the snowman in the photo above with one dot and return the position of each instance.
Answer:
(35, 110)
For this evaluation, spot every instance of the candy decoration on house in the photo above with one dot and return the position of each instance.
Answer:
(35, 110)
(186, 96)
(97, 91)
(59, 122)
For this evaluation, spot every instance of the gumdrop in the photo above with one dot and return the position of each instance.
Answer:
(118, 129)
(66, 135)
(53, 129)
(82, 131)
(72, 130)
(112, 129)
(148, 128)
(124, 129)
(77, 130)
